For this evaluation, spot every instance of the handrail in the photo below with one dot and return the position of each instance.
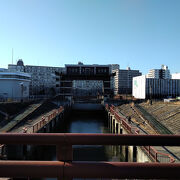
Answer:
(156, 154)
(46, 119)
(69, 170)
(152, 152)
(89, 139)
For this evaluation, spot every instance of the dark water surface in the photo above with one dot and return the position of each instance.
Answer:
(81, 122)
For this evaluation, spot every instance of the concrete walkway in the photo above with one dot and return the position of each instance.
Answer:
(29, 124)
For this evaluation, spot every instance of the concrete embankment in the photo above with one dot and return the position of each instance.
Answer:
(150, 119)
(9, 110)
(167, 114)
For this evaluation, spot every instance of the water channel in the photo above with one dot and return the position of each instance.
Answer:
(81, 121)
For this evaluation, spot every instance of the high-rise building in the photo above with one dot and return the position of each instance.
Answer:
(123, 80)
(162, 73)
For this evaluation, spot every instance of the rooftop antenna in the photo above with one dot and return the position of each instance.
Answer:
(12, 55)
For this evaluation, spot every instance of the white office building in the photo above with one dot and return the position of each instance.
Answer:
(144, 87)
(14, 85)
(162, 73)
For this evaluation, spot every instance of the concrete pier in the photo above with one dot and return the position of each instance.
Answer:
(131, 153)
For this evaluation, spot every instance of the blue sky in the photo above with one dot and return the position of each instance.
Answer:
(142, 34)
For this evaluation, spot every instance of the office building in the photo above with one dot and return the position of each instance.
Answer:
(144, 87)
(43, 80)
(123, 80)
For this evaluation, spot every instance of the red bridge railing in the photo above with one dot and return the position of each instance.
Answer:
(65, 168)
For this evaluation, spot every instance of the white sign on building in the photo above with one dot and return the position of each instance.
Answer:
(139, 87)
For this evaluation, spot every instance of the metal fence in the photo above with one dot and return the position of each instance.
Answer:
(65, 167)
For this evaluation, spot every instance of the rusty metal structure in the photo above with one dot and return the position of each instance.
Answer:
(64, 167)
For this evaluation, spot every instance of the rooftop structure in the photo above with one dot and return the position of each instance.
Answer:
(82, 69)
(114, 67)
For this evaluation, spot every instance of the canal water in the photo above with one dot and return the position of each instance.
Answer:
(82, 121)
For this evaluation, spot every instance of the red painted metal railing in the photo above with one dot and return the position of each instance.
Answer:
(89, 139)
(1, 150)
(68, 169)
(110, 170)
(46, 119)
(158, 156)
(152, 152)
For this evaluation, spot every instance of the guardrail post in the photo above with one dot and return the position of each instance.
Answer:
(64, 153)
